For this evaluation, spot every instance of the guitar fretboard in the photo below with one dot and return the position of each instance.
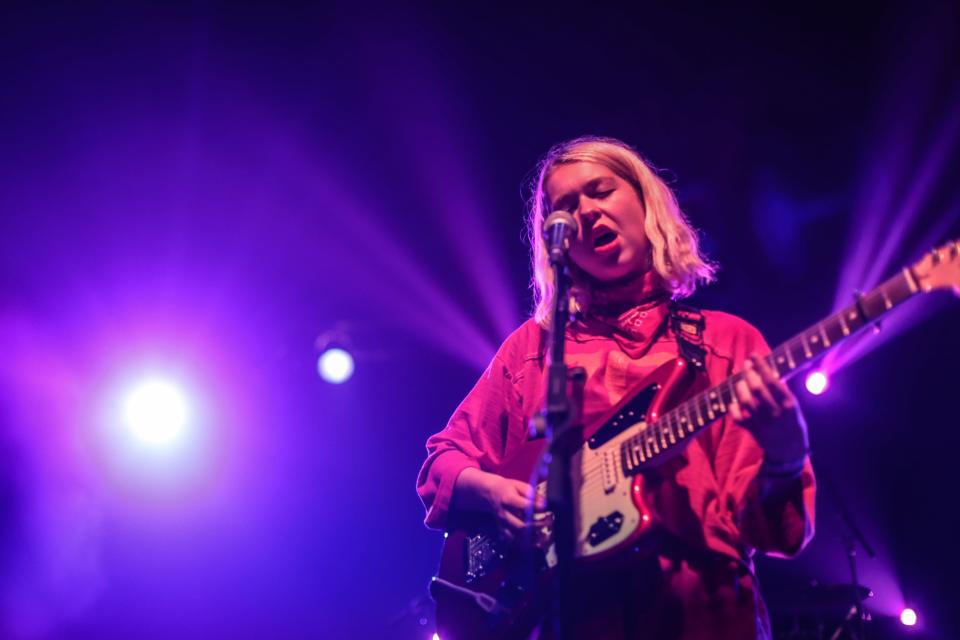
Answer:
(674, 427)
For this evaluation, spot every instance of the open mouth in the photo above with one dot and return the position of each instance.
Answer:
(604, 239)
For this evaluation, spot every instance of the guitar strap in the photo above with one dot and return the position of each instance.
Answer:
(687, 324)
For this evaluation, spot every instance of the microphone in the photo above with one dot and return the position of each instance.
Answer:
(558, 228)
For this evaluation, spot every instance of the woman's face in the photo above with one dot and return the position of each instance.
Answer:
(611, 244)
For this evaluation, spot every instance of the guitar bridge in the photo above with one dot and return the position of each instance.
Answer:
(483, 554)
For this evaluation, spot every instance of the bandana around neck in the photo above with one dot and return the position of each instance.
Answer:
(635, 308)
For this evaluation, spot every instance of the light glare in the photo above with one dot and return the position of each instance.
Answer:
(155, 412)
(817, 382)
(908, 617)
(335, 365)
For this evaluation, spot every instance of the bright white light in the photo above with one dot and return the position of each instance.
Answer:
(817, 382)
(436, 636)
(335, 365)
(156, 412)
(908, 617)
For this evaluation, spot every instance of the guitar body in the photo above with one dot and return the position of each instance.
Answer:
(486, 588)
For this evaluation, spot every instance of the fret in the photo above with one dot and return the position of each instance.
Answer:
(706, 401)
(673, 437)
(910, 282)
(843, 326)
(772, 363)
(645, 441)
(699, 415)
(815, 345)
(886, 299)
(653, 440)
(823, 334)
(832, 327)
(637, 451)
(853, 317)
(731, 382)
(780, 360)
(663, 438)
(790, 361)
(717, 395)
(688, 419)
(679, 420)
(806, 347)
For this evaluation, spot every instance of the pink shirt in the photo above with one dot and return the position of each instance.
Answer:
(712, 502)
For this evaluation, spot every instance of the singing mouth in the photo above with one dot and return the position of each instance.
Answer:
(605, 238)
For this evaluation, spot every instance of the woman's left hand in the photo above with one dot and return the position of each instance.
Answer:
(767, 407)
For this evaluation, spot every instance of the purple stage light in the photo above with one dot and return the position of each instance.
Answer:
(817, 382)
(335, 365)
(908, 617)
(156, 412)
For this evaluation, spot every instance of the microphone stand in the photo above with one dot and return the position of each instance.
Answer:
(851, 537)
(565, 434)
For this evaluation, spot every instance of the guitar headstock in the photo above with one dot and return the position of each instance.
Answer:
(939, 269)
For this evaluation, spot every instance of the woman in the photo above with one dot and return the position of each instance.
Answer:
(743, 485)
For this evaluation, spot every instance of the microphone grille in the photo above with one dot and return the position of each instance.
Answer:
(560, 217)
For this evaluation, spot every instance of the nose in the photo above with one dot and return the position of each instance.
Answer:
(587, 213)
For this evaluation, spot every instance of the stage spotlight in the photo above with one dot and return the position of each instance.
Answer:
(335, 365)
(817, 382)
(436, 636)
(908, 617)
(156, 412)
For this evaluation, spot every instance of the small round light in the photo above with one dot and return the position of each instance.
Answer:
(817, 382)
(335, 365)
(908, 617)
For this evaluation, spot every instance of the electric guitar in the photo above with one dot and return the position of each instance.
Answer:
(487, 588)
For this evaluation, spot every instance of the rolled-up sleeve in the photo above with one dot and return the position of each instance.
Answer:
(476, 436)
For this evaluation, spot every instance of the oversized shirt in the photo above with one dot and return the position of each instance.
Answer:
(712, 502)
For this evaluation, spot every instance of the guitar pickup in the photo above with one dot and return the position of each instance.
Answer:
(604, 528)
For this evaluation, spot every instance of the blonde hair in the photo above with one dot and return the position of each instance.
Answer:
(675, 249)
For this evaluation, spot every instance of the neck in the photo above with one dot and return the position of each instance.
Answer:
(605, 298)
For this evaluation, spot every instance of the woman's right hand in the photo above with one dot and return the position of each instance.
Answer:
(507, 500)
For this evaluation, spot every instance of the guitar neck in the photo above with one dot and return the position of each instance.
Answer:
(673, 428)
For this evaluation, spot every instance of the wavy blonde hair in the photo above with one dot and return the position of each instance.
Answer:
(674, 246)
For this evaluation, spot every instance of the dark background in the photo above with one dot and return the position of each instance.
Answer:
(207, 187)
